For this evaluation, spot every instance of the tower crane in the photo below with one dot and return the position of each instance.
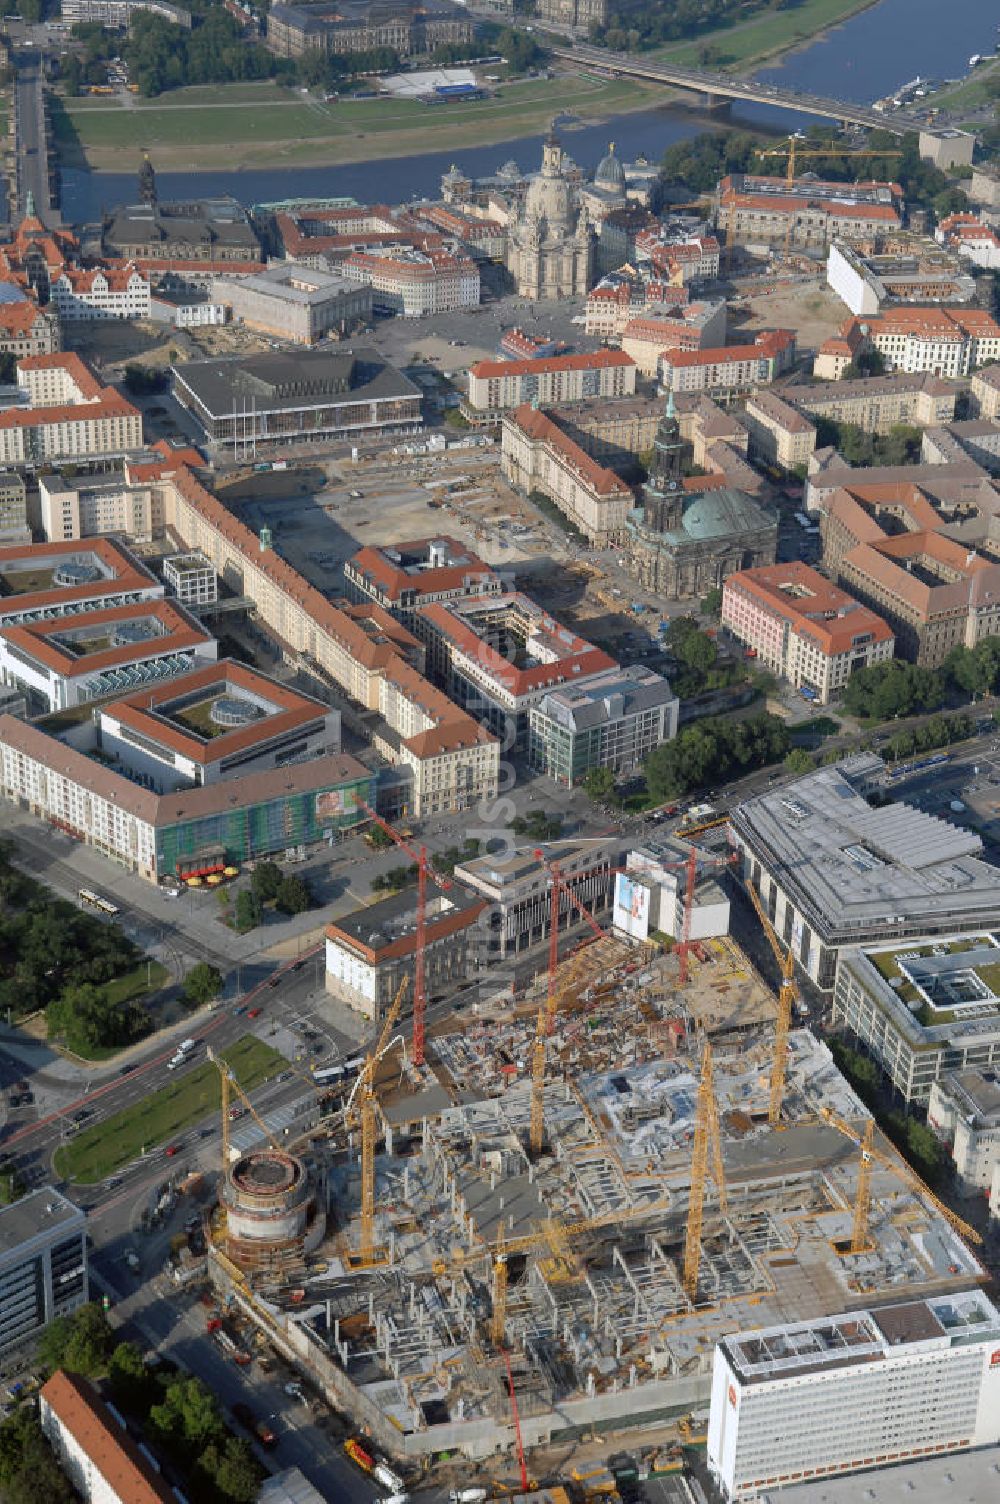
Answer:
(424, 870)
(707, 1142)
(871, 1156)
(365, 1085)
(229, 1083)
(794, 155)
(786, 1002)
(557, 886)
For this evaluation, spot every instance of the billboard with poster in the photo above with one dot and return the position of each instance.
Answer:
(330, 805)
(631, 909)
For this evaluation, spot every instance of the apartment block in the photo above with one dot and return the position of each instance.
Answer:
(844, 1393)
(26, 329)
(14, 529)
(538, 454)
(43, 1264)
(70, 416)
(495, 386)
(41, 581)
(804, 628)
(730, 372)
(778, 431)
(93, 1447)
(985, 390)
(72, 509)
(878, 403)
(691, 326)
(405, 576)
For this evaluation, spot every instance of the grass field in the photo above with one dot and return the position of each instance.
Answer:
(283, 129)
(971, 93)
(99, 1151)
(136, 984)
(775, 32)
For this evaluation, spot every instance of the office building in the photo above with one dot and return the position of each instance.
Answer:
(116, 14)
(516, 886)
(838, 1394)
(651, 894)
(73, 660)
(923, 1008)
(405, 576)
(964, 1110)
(219, 721)
(191, 579)
(298, 303)
(498, 655)
(93, 1447)
(495, 386)
(946, 147)
(369, 951)
(316, 396)
(14, 529)
(834, 870)
(614, 720)
(43, 580)
(363, 26)
(803, 628)
(731, 371)
(539, 454)
(690, 326)
(193, 830)
(414, 282)
(901, 269)
(201, 236)
(43, 1264)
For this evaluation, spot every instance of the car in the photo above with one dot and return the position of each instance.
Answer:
(83, 1114)
(235, 1112)
(253, 1013)
(114, 1181)
(240, 1010)
(294, 1391)
(274, 982)
(171, 1150)
(296, 966)
(286, 1075)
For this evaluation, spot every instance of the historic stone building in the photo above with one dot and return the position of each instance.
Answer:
(684, 545)
(552, 247)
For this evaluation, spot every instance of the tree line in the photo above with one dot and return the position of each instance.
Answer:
(886, 691)
(714, 752)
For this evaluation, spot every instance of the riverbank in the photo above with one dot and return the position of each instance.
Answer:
(765, 38)
(264, 126)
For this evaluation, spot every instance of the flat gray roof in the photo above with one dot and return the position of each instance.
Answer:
(294, 382)
(858, 872)
(962, 1478)
(37, 1212)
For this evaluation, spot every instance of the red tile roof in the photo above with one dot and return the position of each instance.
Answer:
(393, 579)
(811, 605)
(599, 360)
(65, 360)
(765, 347)
(37, 639)
(125, 573)
(112, 1452)
(535, 425)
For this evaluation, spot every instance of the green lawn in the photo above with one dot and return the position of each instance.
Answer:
(296, 128)
(136, 984)
(99, 1151)
(976, 90)
(774, 32)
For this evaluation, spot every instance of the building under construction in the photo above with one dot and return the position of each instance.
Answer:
(593, 1187)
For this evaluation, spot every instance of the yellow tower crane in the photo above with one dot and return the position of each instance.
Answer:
(794, 154)
(365, 1086)
(230, 1084)
(707, 1142)
(786, 1002)
(870, 1156)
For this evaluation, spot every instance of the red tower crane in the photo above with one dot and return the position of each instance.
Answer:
(558, 885)
(424, 869)
(517, 1423)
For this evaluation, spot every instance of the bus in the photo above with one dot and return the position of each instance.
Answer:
(95, 901)
(336, 1075)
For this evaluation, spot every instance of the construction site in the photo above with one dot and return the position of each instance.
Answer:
(542, 1215)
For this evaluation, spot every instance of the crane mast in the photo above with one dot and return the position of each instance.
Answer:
(706, 1142)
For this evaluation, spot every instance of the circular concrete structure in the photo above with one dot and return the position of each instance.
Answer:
(75, 572)
(271, 1205)
(227, 710)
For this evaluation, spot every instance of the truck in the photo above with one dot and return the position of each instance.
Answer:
(467, 1496)
(356, 1452)
(383, 1473)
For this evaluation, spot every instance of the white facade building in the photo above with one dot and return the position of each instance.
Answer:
(191, 578)
(651, 895)
(43, 1264)
(862, 1390)
(115, 293)
(964, 1109)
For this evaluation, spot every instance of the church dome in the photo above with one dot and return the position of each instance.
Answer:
(550, 199)
(610, 172)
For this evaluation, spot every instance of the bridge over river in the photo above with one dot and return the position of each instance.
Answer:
(715, 90)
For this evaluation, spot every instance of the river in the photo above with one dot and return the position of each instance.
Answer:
(865, 58)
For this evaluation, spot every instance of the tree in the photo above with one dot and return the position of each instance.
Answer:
(712, 603)
(188, 1415)
(394, 879)
(239, 1473)
(378, 839)
(712, 751)
(133, 1385)
(29, 1472)
(798, 760)
(53, 1342)
(266, 881)
(293, 896)
(12, 1184)
(202, 983)
(867, 362)
(599, 784)
(80, 1343)
(248, 910)
(886, 690)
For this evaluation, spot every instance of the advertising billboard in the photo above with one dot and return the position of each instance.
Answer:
(330, 805)
(631, 909)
